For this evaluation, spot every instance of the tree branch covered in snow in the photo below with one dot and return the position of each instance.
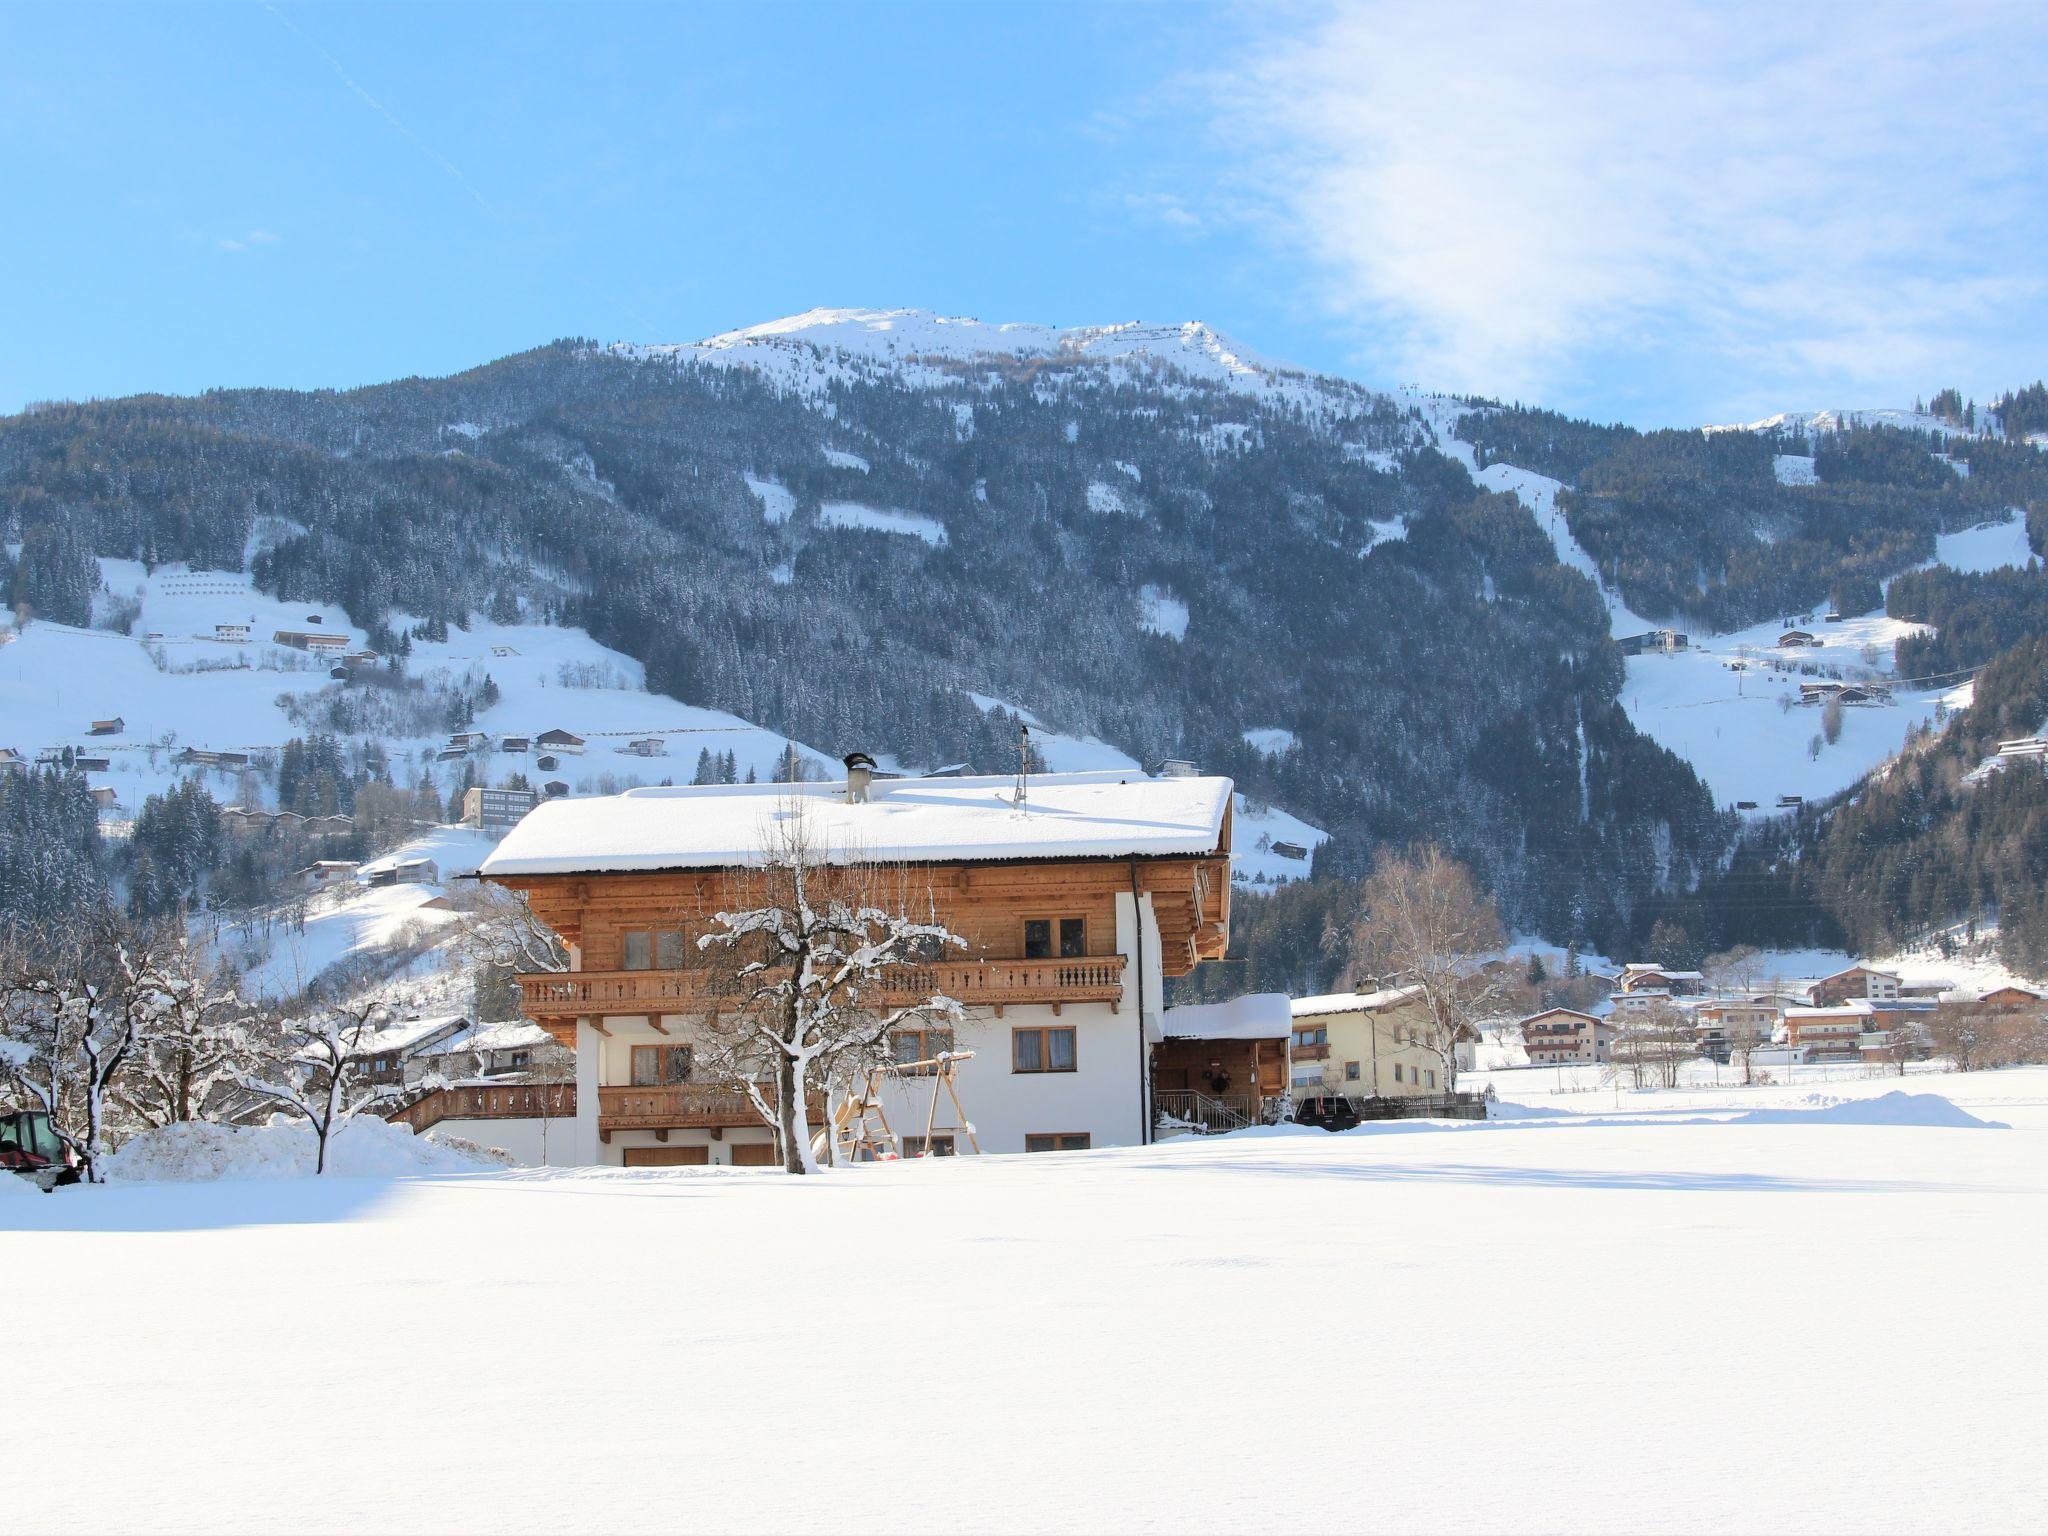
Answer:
(811, 948)
(320, 1070)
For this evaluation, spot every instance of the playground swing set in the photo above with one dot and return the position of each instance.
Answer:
(861, 1131)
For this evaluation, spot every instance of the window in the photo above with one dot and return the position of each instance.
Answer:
(522, 1058)
(1057, 1141)
(636, 950)
(1316, 1035)
(1350, 1071)
(1397, 1073)
(1040, 933)
(1042, 1050)
(1431, 1075)
(660, 1066)
(669, 953)
(908, 1045)
(940, 1146)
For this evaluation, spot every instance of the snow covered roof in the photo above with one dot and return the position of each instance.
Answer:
(916, 821)
(1254, 1016)
(410, 1034)
(1351, 1002)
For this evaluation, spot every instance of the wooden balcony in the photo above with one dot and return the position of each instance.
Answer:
(1312, 1052)
(489, 1101)
(682, 1106)
(565, 995)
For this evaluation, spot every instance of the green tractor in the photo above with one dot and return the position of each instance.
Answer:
(29, 1147)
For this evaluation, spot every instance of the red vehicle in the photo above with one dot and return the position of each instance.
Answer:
(29, 1147)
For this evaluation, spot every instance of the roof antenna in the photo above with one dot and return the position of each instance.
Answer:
(1023, 760)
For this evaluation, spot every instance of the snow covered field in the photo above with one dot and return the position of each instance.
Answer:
(1590, 1325)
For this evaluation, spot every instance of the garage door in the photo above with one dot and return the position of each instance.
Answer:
(666, 1157)
(754, 1154)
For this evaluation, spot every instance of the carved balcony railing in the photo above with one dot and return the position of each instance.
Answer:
(974, 983)
(684, 1106)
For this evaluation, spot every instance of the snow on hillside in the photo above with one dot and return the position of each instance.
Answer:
(1794, 469)
(174, 686)
(808, 353)
(1730, 706)
(1813, 423)
(1730, 1221)
(1271, 740)
(1987, 547)
(1161, 613)
(851, 514)
(777, 500)
(1254, 829)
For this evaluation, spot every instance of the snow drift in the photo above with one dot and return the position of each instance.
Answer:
(196, 1152)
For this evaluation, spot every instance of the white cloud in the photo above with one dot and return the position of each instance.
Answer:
(1500, 197)
(247, 242)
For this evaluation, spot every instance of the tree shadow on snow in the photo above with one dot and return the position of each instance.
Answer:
(225, 1203)
(1572, 1178)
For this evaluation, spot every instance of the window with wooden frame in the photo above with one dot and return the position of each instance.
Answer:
(1057, 1141)
(1048, 1049)
(646, 949)
(1350, 1071)
(908, 1045)
(939, 1146)
(1047, 937)
(660, 1066)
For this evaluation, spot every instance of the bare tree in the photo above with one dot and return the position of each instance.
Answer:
(318, 1070)
(73, 1017)
(201, 1037)
(813, 941)
(1425, 924)
(1965, 1034)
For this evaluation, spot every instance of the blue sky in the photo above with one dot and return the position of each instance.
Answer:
(1706, 215)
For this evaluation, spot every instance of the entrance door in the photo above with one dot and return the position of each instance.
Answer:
(754, 1154)
(667, 1157)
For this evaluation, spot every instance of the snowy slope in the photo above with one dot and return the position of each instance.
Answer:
(809, 353)
(187, 689)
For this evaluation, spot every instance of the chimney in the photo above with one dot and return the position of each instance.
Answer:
(860, 770)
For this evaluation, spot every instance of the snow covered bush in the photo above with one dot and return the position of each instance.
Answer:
(367, 1148)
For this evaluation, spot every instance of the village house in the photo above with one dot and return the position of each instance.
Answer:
(1222, 1066)
(1727, 1025)
(1076, 905)
(559, 741)
(484, 1051)
(1642, 977)
(648, 746)
(105, 798)
(322, 873)
(496, 808)
(112, 727)
(12, 761)
(514, 744)
(1565, 1036)
(1364, 1045)
(1657, 641)
(86, 764)
(201, 757)
(232, 633)
(1829, 1033)
(387, 1056)
(1793, 638)
(1858, 981)
(401, 872)
(311, 641)
(2009, 999)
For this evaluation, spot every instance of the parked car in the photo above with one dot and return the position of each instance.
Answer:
(1330, 1113)
(30, 1148)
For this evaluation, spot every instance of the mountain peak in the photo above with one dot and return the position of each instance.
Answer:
(905, 336)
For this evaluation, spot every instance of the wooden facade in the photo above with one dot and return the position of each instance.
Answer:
(1041, 934)
(611, 918)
